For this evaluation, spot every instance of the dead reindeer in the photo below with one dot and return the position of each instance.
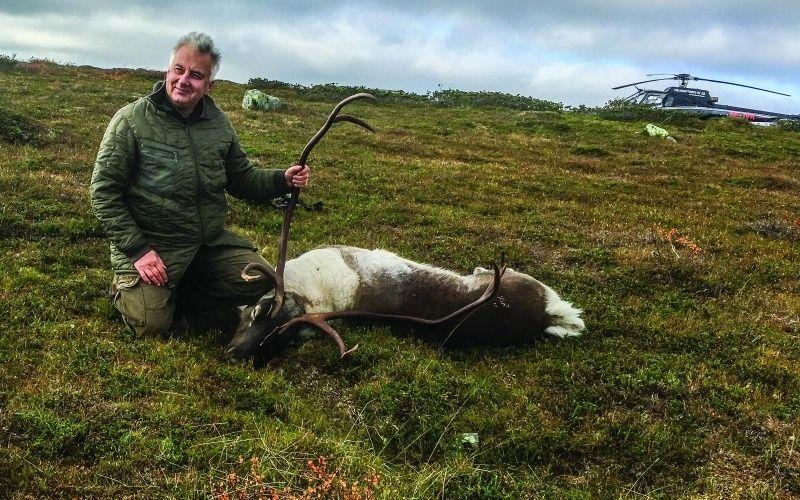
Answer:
(503, 307)
(348, 282)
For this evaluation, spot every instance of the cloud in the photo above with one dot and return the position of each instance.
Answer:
(44, 32)
(572, 51)
(121, 38)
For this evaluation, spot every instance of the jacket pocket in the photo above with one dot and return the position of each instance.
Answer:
(214, 177)
(129, 299)
(127, 281)
(158, 166)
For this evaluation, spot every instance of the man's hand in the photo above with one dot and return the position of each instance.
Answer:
(297, 176)
(152, 269)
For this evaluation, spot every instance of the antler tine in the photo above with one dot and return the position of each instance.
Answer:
(320, 319)
(258, 267)
(353, 119)
(289, 213)
(331, 120)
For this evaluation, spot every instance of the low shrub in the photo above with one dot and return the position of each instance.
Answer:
(335, 92)
(8, 62)
(790, 125)
(622, 111)
(18, 129)
(444, 98)
(455, 98)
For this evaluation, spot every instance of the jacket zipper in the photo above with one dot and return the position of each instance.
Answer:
(173, 155)
(197, 186)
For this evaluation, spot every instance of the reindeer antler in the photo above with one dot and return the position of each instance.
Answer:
(289, 213)
(277, 273)
(320, 320)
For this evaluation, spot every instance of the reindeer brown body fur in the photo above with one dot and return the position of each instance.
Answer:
(340, 278)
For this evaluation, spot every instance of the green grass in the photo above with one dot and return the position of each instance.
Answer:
(686, 383)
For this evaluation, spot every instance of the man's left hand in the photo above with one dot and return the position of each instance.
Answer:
(297, 176)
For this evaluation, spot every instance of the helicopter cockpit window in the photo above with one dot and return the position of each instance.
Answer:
(653, 99)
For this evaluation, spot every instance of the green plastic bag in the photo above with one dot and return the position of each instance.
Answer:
(656, 131)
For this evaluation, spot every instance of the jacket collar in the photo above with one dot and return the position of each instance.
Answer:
(204, 110)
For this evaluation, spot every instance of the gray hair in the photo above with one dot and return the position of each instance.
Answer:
(203, 44)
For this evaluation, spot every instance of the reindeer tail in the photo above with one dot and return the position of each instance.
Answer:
(565, 320)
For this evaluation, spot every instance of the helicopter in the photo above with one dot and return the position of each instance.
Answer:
(699, 101)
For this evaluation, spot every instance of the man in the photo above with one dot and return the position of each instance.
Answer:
(158, 187)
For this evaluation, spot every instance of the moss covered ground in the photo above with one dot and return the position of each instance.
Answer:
(684, 257)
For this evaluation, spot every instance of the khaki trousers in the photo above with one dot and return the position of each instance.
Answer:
(211, 286)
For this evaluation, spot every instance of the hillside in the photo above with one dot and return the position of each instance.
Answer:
(685, 384)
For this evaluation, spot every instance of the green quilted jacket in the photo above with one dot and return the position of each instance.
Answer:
(160, 179)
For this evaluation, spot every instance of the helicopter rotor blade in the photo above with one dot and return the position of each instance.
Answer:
(740, 85)
(637, 83)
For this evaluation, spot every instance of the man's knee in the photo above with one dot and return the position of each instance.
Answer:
(216, 277)
(153, 325)
(146, 309)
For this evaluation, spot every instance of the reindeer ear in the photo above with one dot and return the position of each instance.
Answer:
(267, 300)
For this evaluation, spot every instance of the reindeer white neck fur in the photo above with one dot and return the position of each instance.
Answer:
(340, 278)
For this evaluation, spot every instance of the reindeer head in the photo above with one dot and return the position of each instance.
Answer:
(257, 333)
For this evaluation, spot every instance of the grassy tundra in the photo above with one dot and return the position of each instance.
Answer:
(686, 382)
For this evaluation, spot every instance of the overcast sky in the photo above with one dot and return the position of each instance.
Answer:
(572, 51)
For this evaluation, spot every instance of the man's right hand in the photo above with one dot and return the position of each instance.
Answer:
(152, 269)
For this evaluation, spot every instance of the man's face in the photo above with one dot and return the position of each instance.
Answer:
(188, 78)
